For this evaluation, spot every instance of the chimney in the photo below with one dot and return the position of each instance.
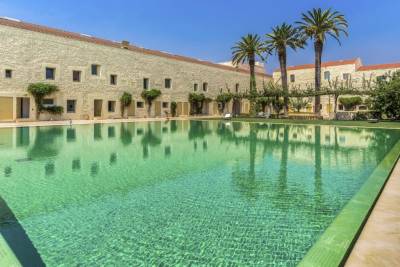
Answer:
(125, 44)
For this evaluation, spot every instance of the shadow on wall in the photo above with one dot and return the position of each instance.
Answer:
(17, 239)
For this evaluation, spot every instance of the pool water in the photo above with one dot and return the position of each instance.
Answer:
(179, 192)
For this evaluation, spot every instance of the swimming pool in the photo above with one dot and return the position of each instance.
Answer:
(179, 192)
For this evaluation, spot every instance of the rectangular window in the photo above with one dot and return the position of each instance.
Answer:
(8, 74)
(71, 104)
(50, 73)
(205, 87)
(380, 78)
(346, 76)
(165, 104)
(168, 83)
(237, 88)
(292, 78)
(48, 102)
(95, 69)
(139, 104)
(113, 79)
(146, 83)
(327, 75)
(111, 106)
(195, 87)
(76, 76)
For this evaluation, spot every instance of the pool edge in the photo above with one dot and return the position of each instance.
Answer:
(7, 256)
(335, 244)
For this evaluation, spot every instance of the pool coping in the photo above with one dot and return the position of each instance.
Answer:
(7, 256)
(335, 244)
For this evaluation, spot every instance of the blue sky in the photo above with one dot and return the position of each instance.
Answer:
(207, 29)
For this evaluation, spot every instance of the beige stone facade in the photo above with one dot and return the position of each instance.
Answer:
(343, 71)
(27, 50)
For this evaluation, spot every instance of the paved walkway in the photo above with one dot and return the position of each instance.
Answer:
(379, 242)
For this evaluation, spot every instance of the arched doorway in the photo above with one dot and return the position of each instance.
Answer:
(236, 107)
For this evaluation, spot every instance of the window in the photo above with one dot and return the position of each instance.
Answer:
(48, 101)
(341, 107)
(8, 74)
(71, 106)
(205, 87)
(346, 76)
(111, 106)
(95, 69)
(76, 76)
(327, 75)
(168, 83)
(50, 73)
(113, 79)
(165, 104)
(139, 104)
(292, 78)
(380, 78)
(146, 83)
(195, 87)
(237, 88)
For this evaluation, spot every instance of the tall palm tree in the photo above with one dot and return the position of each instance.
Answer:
(317, 25)
(281, 37)
(246, 50)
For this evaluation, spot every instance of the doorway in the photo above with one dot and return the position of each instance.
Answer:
(23, 107)
(98, 105)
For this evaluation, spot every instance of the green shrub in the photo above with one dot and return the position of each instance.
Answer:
(173, 108)
(149, 96)
(385, 99)
(39, 91)
(196, 101)
(350, 103)
(126, 100)
(55, 110)
(222, 99)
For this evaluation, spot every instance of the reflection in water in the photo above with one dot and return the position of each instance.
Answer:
(173, 126)
(76, 164)
(71, 135)
(139, 131)
(7, 171)
(113, 158)
(149, 139)
(94, 169)
(317, 162)
(23, 136)
(205, 145)
(198, 129)
(97, 131)
(167, 151)
(46, 143)
(111, 131)
(284, 161)
(195, 145)
(49, 168)
(126, 135)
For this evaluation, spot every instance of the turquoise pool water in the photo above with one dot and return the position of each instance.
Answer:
(179, 192)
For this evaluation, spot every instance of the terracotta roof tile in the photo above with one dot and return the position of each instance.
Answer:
(379, 66)
(99, 41)
(324, 64)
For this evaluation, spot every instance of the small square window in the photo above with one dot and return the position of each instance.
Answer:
(146, 83)
(327, 75)
(71, 104)
(165, 104)
(346, 76)
(111, 106)
(168, 83)
(50, 73)
(76, 76)
(139, 104)
(113, 79)
(8, 74)
(237, 88)
(48, 101)
(205, 87)
(292, 78)
(95, 69)
(195, 87)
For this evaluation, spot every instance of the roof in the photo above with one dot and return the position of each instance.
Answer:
(379, 66)
(86, 38)
(324, 64)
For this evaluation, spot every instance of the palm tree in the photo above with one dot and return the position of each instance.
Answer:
(317, 25)
(281, 37)
(246, 50)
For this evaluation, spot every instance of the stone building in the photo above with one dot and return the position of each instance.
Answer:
(93, 73)
(341, 71)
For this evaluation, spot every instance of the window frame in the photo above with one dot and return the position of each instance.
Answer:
(165, 104)
(79, 76)
(53, 73)
(237, 87)
(346, 74)
(111, 106)
(168, 81)
(95, 67)
(292, 78)
(8, 73)
(205, 87)
(74, 106)
(146, 83)
(139, 104)
(327, 73)
(195, 87)
(113, 79)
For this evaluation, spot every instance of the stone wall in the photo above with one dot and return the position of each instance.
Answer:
(28, 53)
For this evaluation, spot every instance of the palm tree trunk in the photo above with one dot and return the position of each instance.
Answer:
(282, 63)
(318, 46)
(253, 88)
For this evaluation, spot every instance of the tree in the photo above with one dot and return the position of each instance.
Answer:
(196, 101)
(385, 97)
(263, 102)
(298, 103)
(149, 96)
(281, 37)
(126, 100)
(173, 108)
(39, 91)
(351, 102)
(316, 25)
(222, 99)
(246, 50)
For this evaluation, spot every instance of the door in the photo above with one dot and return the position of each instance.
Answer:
(157, 107)
(23, 107)
(131, 109)
(6, 108)
(98, 107)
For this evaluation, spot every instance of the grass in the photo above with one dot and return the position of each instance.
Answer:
(366, 124)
